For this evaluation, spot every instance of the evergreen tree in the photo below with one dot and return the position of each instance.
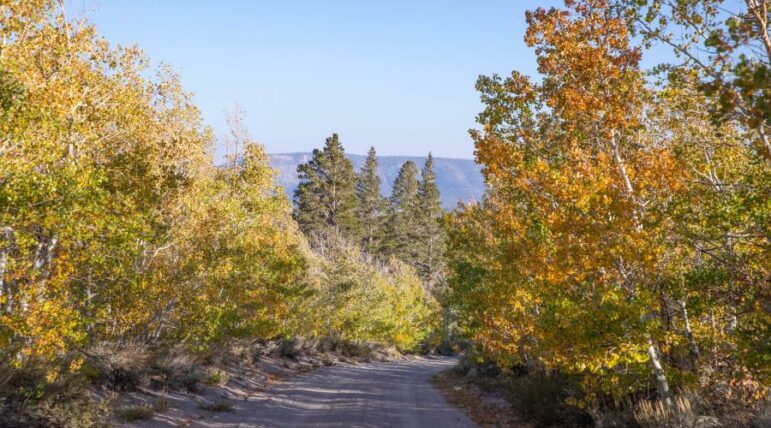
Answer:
(430, 242)
(326, 199)
(404, 210)
(373, 208)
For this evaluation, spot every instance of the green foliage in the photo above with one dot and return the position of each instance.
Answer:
(725, 45)
(623, 237)
(362, 285)
(326, 202)
(430, 241)
(115, 227)
(413, 233)
(358, 299)
(404, 214)
(373, 208)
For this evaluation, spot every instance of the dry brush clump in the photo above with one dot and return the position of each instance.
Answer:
(178, 369)
(120, 368)
(36, 403)
(139, 412)
(217, 406)
(658, 414)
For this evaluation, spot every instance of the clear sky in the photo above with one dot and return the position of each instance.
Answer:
(395, 74)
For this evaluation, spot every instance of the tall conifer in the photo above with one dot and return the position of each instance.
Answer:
(430, 242)
(325, 199)
(404, 209)
(373, 208)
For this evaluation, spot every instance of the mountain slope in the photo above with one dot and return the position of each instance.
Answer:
(458, 179)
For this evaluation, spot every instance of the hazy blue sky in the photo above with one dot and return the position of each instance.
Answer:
(398, 75)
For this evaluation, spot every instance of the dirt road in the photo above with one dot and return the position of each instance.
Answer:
(394, 394)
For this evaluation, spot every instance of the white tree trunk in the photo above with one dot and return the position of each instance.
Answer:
(693, 348)
(6, 243)
(658, 371)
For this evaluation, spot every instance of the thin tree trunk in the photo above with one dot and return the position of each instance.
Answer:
(764, 141)
(637, 210)
(693, 348)
(665, 312)
(759, 10)
(713, 325)
(44, 255)
(621, 167)
(162, 320)
(42, 263)
(661, 377)
(6, 243)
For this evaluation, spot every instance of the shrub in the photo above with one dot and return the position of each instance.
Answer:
(179, 369)
(119, 368)
(161, 405)
(542, 398)
(357, 300)
(217, 377)
(327, 360)
(28, 398)
(142, 411)
(656, 414)
(291, 348)
(217, 406)
(134, 413)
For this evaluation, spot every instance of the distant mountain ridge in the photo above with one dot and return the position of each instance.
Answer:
(457, 179)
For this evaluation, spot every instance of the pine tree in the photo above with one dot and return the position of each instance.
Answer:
(373, 208)
(430, 242)
(404, 209)
(326, 201)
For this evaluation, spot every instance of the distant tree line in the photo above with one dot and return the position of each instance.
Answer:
(334, 202)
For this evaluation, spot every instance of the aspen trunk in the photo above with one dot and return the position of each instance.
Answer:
(765, 142)
(637, 212)
(44, 254)
(6, 242)
(693, 348)
(43, 261)
(661, 377)
(621, 167)
(162, 320)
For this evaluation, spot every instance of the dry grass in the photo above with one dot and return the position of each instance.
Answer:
(656, 414)
(121, 368)
(179, 370)
(143, 411)
(486, 408)
(217, 377)
(138, 412)
(217, 406)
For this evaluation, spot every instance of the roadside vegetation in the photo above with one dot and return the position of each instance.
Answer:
(616, 272)
(121, 243)
(619, 260)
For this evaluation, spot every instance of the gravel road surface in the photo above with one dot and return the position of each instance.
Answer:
(393, 394)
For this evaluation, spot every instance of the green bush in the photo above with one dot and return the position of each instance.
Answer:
(66, 403)
(541, 398)
(360, 301)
